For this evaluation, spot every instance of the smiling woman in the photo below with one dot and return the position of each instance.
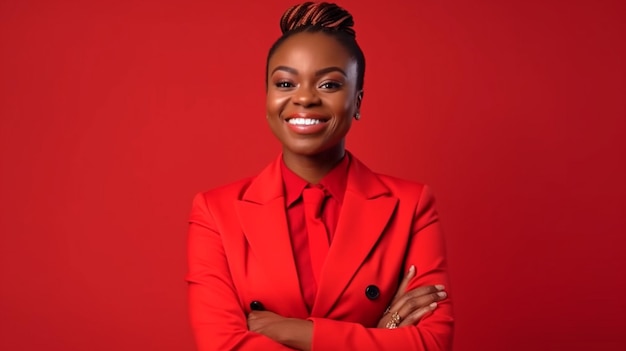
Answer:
(312, 96)
(317, 252)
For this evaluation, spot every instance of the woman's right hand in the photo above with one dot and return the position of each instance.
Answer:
(409, 307)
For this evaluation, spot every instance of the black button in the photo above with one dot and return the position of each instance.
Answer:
(257, 306)
(372, 292)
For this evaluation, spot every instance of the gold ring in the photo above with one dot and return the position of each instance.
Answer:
(395, 320)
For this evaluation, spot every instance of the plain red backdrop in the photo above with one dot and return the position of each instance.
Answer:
(115, 113)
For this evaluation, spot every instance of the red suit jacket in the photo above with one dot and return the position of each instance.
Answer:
(240, 251)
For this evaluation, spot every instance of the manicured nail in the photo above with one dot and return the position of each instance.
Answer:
(440, 287)
(412, 269)
(433, 305)
(442, 294)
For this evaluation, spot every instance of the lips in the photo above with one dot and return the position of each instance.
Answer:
(306, 123)
(306, 118)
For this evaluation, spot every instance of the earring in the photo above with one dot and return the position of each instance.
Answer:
(357, 116)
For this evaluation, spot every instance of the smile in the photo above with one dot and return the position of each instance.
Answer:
(303, 121)
(307, 123)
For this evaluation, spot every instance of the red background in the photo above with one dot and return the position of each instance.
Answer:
(115, 113)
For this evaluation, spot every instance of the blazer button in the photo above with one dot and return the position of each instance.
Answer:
(372, 292)
(257, 306)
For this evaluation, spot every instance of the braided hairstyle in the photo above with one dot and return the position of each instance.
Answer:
(324, 18)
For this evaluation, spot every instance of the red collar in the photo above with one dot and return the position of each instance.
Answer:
(334, 182)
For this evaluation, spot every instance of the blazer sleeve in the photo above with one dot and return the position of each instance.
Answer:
(217, 317)
(434, 332)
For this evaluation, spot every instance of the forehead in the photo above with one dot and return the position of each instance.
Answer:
(313, 51)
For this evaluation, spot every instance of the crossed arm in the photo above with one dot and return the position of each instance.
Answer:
(298, 333)
(220, 323)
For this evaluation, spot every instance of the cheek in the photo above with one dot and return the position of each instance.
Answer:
(349, 106)
(344, 101)
(275, 103)
(345, 107)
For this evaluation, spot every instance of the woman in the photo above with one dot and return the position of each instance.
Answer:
(317, 252)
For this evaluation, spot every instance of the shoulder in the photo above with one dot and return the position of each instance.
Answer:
(414, 197)
(208, 204)
(411, 194)
(261, 188)
(401, 185)
(369, 179)
(230, 191)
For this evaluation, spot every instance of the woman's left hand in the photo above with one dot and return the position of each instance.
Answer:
(407, 308)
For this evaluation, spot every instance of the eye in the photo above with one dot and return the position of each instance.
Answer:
(284, 84)
(330, 85)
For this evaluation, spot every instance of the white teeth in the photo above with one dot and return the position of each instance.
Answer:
(303, 121)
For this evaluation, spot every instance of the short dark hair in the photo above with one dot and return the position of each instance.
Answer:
(324, 18)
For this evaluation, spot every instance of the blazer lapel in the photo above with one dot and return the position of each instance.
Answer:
(365, 212)
(263, 220)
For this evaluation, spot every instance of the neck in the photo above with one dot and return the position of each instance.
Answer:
(313, 168)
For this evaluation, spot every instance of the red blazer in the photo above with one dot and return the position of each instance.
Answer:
(240, 251)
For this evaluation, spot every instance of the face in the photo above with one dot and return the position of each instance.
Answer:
(311, 94)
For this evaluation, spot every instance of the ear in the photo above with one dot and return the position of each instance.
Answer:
(359, 99)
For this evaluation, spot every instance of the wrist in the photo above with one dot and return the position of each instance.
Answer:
(296, 333)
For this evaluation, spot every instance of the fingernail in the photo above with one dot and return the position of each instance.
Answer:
(440, 287)
(412, 269)
(433, 305)
(442, 294)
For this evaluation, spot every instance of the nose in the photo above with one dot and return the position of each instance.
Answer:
(306, 95)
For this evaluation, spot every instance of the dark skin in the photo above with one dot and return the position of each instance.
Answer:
(314, 80)
(312, 97)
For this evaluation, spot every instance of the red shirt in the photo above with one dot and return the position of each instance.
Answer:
(335, 185)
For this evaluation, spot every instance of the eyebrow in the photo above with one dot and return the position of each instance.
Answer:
(317, 73)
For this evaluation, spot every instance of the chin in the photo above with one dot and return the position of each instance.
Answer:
(310, 150)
